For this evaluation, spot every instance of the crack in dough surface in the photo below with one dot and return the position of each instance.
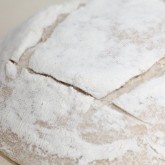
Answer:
(147, 103)
(108, 46)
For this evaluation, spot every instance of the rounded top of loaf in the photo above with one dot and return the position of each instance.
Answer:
(76, 80)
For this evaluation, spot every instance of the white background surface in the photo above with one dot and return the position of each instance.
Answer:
(12, 14)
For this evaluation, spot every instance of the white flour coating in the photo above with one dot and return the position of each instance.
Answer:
(30, 33)
(11, 70)
(39, 112)
(147, 101)
(62, 123)
(55, 68)
(100, 47)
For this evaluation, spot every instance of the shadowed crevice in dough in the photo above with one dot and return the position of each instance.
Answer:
(121, 110)
(61, 82)
(47, 32)
(53, 78)
(155, 71)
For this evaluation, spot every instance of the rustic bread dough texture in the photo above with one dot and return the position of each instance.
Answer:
(83, 84)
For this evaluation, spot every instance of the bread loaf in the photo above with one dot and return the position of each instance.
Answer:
(83, 84)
